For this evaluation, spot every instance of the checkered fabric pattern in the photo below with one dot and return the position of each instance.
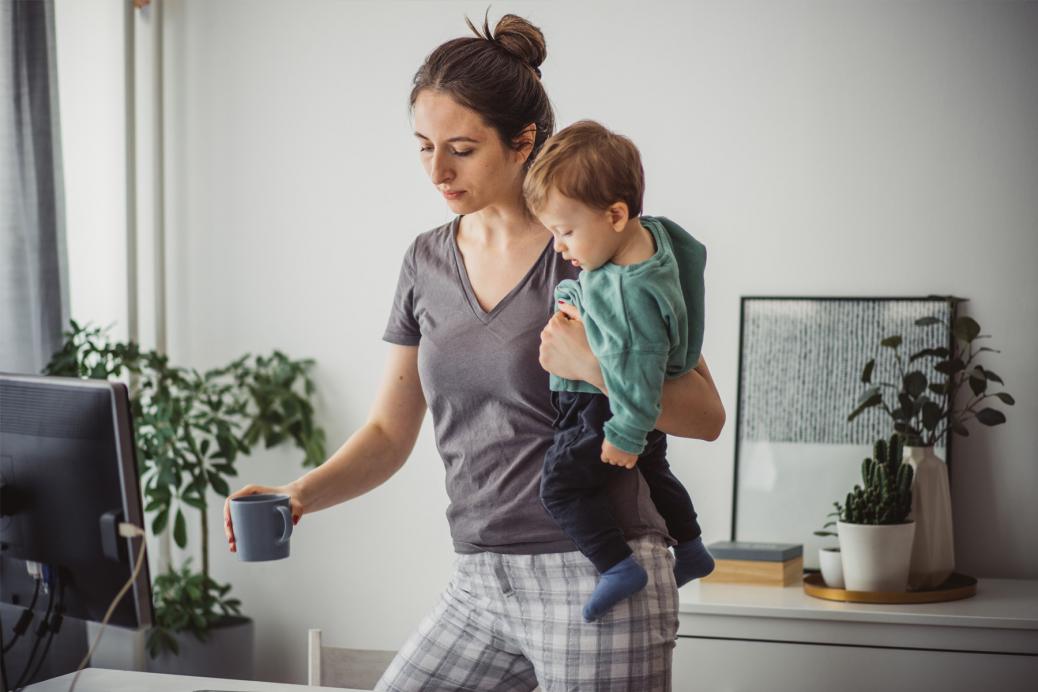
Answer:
(511, 622)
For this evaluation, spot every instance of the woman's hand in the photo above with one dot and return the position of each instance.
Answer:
(290, 490)
(564, 348)
(617, 457)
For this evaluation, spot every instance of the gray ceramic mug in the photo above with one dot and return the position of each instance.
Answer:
(262, 526)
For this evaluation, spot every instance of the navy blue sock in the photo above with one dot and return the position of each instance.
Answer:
(618, 582)
(693, 561)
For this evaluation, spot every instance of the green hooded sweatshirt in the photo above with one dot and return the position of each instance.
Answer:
(644, 323)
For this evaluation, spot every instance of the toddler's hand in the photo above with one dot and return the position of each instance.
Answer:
(617, 457)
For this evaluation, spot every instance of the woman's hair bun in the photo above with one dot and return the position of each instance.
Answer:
(517, 36)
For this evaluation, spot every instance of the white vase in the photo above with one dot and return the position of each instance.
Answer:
(830, 561)
(876, 556)
(933, 550)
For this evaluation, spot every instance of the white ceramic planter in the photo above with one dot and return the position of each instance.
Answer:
(933, 549)
(226, 653)
(830, 560)
(876, 557)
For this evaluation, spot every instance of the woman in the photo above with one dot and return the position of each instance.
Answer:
(470, 342)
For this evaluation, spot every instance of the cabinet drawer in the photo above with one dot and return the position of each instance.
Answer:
(732, 665)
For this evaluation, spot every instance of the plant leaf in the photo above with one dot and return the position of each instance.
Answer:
(990, 416)
(218, 484)
(867, 394)
(927, 321)
(159, 522)
(950, 367)
(873, 401)
(891, 341)
(931, 415)
(866, 374)
(915, 383)
(966, 328)
(180, 530)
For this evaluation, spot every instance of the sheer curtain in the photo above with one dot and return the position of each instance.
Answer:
(33, 266)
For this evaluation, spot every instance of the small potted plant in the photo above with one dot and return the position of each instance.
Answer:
(830, 560)
(873, 525)
(924, 412)
(190, 429)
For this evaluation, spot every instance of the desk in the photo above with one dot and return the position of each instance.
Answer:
(102, 680)
(738, 637)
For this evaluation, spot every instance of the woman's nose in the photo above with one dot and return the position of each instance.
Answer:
(559, 246)
(440, 170)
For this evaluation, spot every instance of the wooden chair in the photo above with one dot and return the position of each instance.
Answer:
(332, 666)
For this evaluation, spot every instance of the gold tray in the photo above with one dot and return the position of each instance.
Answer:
(954, 588)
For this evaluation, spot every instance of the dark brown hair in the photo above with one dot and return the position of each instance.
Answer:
(497, 75)
(590, 164)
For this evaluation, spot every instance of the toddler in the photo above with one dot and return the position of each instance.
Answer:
(644, 322)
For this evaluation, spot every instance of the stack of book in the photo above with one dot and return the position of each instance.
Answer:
(766, 564)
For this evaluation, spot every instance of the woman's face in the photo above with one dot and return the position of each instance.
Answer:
(463, 157)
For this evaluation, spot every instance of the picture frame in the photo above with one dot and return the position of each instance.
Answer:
(800, 366)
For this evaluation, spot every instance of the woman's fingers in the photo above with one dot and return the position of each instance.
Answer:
(228, 525)
(570, 311)
(228, 530)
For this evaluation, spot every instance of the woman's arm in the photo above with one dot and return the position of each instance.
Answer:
(370, 456)
(380, 447)
(689, 406)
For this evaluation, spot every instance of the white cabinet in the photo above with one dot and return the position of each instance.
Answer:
(733, 638)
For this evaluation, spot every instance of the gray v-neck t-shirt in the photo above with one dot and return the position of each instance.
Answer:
(489, 398)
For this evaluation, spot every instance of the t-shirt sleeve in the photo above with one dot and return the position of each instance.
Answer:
(402, 327)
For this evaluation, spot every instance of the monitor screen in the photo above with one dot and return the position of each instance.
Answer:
(68, 469)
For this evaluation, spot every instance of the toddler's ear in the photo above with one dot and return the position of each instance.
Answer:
(618, 215)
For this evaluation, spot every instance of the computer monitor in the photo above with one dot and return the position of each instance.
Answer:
(68, 477)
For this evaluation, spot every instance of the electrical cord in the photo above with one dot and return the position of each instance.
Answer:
(23, 621)
(3, 665)
(41, 632)
(129, 531)
(55, 626)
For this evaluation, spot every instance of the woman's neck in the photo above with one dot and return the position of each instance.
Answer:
(502, 225)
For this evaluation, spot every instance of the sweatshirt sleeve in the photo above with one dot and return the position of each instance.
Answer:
(633, 342)
(634, 380)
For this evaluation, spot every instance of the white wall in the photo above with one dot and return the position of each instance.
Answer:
(817, 148)
(91, 97)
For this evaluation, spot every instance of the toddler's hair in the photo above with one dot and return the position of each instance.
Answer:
(590, 164)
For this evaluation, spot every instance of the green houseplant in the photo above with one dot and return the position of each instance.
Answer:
(191, 429)
(873, 522)
(924, 412)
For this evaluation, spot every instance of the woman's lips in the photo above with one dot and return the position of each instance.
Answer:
(453, 195)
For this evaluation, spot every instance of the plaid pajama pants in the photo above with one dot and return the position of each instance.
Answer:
(511, 622)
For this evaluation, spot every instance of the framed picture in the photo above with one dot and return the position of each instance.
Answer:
(800, 368)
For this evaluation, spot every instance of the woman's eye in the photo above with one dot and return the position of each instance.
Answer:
(455, 153)
(567, 233)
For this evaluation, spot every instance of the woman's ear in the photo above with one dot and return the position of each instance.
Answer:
(618, 215)
(523, 144)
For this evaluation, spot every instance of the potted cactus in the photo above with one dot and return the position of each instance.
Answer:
(874, 529)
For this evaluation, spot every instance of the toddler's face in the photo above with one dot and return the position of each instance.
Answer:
(584, 236)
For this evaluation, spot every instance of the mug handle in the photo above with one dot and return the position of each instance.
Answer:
(286, 516)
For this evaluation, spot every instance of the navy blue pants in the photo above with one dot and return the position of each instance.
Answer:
(574, 481)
